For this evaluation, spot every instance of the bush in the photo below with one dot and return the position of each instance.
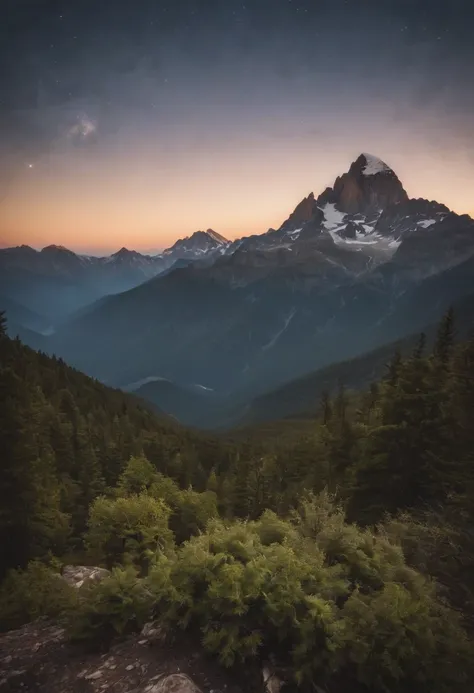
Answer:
(128, 530)
(248, 597)
(190, 510)
(328, 600)
(436, 546)
(35, 592)
(401, 642)
(117, 605)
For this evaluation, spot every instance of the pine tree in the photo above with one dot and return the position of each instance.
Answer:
(405, 453)
(393, 369)
(3, 324)
(326, 407)
(419, 350)
(444, 340)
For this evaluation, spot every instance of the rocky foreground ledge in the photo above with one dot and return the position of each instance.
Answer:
(39, 658)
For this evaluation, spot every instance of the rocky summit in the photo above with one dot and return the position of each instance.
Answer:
(369, 186)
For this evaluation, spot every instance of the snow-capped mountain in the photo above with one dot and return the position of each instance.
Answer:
(365, 219)
(353, 268)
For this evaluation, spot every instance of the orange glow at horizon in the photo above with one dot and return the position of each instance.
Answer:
(99, 205)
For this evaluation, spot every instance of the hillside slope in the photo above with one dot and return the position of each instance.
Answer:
(65, 438)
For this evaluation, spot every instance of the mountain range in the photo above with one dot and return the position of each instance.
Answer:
(55, 281)
(353, 269)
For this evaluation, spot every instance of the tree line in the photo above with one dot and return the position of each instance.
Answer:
(346, 554)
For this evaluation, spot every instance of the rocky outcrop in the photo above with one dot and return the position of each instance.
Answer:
(174, 683)
(306, 211)
(38, 657)
(349, 231)
(79, 575)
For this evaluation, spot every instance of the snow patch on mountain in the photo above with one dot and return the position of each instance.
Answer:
(374, 166)
(425, 223)
(278, 334)
(131, 387)
(294, 234)
(363, 240)
(332, 216)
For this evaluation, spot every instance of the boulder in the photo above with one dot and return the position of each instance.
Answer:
(173, 683)
(79, 575)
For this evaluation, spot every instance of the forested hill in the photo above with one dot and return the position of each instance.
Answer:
(65, 438)
(343, 552)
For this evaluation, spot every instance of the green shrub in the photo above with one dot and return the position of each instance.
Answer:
(339, 604)
(35, 592)
(128, 530)
(245, 596)
(399, 642)
(191, 513)
(190, 510)
(117, 605)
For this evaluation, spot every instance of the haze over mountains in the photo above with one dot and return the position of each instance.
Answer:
(209, 322)
(56, 281)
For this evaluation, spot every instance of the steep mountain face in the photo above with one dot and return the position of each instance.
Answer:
(348, 271)
(57, 282)
(367, 188)
(356, 225)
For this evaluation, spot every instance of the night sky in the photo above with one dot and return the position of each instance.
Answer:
(134, 122)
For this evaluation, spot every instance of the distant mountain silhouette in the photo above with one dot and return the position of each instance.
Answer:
(355, 268)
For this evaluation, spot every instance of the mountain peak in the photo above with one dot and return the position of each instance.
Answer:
(216, 236)
(304, 212)
(56, 249)
(198, 243)
(373, 165)
(369, 186)
(123, 252)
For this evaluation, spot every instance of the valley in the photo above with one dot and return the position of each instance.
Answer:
(236, 346)
(218, 324)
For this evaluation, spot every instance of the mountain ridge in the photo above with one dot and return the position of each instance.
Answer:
(325, 286)
(77, 280)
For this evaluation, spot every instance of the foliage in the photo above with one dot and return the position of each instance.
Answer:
(35, 592)
(138, 475)
(128, 529)
(65, 439)
(397, 640)
(334, 601)
(190, 510)
(117, 605)
(247, 539)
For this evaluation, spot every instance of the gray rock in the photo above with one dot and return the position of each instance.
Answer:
(79, 575)
(152, 632)
(271, 681)
(174, 683)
